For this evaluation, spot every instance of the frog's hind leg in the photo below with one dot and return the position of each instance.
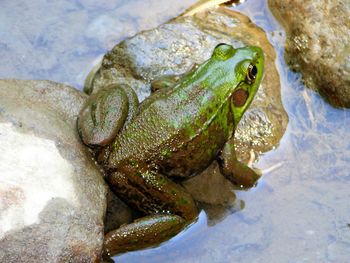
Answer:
(105, 113)
(169, 206)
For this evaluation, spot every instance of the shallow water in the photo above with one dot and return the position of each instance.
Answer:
(298, 213)
(61, 40)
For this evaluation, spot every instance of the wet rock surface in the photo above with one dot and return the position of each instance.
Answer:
(318, 44)
(52, 196)
(174, 47)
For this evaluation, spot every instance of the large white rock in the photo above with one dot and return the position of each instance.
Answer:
(52, 196)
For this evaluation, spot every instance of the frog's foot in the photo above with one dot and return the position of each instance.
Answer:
(252, 158)
(272, 168)
(236, 172)
(151, 193)
(260, 172)
(143, 232)
(105, 113)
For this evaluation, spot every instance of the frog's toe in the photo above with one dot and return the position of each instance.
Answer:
(258, 171)
(271, 168)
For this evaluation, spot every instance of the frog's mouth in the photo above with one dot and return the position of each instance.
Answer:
(239, 97)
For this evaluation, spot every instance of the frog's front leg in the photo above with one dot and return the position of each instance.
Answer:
(169, 207)
(105, 113)
(235, 171)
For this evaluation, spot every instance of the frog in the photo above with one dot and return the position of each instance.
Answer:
(147, 148)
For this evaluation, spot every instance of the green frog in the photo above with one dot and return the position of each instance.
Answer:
(186, 123)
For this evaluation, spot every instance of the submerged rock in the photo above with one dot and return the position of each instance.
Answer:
(174, 47)
(52, 196)
(318, 44)
(214, 193)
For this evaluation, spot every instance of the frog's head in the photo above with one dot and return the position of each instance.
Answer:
(247, 65)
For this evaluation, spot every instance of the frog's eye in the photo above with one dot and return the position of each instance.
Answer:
(251, 73)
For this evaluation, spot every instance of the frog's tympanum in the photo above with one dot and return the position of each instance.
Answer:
(178, 131)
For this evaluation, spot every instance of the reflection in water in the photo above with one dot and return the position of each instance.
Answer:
(217, 213)
(205, 187)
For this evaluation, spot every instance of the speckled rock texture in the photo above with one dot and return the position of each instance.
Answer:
(318, 44)
(52, 195)
(174, 47)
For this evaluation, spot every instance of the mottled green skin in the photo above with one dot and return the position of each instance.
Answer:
(178, 131)
(183, 129)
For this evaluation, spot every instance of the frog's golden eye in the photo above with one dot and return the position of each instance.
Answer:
(251, 73)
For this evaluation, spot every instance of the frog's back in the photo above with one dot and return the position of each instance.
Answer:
(188, 124)
(174, 133)
(141, 138)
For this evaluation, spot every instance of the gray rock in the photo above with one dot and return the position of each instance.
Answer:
(318, 44)
(206, 186)
(214, 193)
(117, 213)
(52, 195)
(173, 47)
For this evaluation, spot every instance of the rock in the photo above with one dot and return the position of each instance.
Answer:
(52, 195)
(318, 44)
(206, 186)
(173, 47)
(214, 193)
(117, 213)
